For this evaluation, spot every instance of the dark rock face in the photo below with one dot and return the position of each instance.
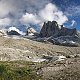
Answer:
(12, 32)
(52, 29)
(49, 29)
(65, 31)
(59, 35)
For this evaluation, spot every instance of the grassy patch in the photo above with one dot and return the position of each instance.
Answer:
(14, 71)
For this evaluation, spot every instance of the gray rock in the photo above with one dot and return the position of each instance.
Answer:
(60, 35)
(49, 29)
(52, 29)
(65, 31)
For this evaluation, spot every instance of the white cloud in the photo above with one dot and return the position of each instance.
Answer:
(49, 13)
(73, 24)
(73, 11)
(17, 7)
(14, 9)
(29, 18)
(15, 29)
(5, 22)
(37, 12)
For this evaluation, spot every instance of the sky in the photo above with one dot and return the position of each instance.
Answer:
(33, 13)
(71, 9)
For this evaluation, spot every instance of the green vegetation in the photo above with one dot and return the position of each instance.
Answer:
(17, 71)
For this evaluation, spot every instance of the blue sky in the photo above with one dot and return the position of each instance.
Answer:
(71, 9)
(35, 12)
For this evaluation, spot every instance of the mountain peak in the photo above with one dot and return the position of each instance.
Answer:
(53, 29)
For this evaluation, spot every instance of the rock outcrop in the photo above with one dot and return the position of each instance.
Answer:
(53, 29)
(2, 33)
(31, 32)
(65, 31)
(59, 35)
(50, 29)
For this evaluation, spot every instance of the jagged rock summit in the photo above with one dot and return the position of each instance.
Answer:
(53, 29)
(60, 35)
(51, 32)
(49, 29)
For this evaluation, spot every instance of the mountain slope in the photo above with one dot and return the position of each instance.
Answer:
(22, 53)
(27, 48)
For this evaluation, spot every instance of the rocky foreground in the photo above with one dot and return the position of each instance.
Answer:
(25, 49)
(50, 62)
(52, 54)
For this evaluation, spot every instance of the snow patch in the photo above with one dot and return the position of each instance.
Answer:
(15, 29)
(38, 60)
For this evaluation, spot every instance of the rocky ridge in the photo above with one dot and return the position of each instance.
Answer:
(53, 29)
(59, 35)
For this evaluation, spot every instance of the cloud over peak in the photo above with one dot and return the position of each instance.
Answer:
(29, 18)
(14, 12)
(49, 13)
(17, 7)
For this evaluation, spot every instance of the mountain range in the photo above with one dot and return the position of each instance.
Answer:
(51, 32)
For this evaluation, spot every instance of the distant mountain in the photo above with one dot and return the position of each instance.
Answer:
(60, 35)
(53, 29)
(31, 31)
(50, 32)
(12, 32)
